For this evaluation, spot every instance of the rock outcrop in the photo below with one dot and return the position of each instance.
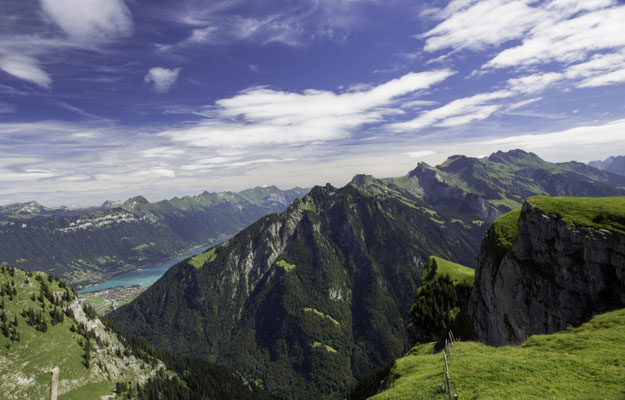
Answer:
(553, 275)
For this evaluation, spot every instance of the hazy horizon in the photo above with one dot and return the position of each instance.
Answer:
(107, 99)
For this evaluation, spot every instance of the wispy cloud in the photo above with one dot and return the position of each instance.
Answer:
(609, 134)
(262, 116)
(26, 68)
(296, 24)
(6, 108)
(456, 113)
(420, 153)
(562, 44)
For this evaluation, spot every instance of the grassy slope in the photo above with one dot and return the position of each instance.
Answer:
(587, 362)
(597, 212)
(25, 364)
(459, 274)
(502, 234)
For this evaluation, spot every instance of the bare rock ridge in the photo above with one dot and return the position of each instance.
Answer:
(552, 275)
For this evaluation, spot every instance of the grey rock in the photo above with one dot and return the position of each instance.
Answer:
(554, 275)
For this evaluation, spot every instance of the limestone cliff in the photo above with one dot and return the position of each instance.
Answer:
(561, 264)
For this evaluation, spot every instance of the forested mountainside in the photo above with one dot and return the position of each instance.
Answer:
(43, 326)
(88, 245)
(550, 280)
(310, 300)
(614, 164)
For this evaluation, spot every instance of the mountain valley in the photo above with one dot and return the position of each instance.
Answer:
(90, 245)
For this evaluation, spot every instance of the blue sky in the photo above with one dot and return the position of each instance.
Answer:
(106, 99)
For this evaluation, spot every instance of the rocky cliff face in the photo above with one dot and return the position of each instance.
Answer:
(552, 275)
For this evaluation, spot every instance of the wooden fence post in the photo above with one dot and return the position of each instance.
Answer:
(54, 383)
(447, 376)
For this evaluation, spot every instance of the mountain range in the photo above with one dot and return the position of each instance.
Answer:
(89, 245)
(310, 300)
(614, 164)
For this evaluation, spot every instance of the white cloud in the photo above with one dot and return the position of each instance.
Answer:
(162, 152)
(261, 116)
(523, 103)
(26, 175)
(26, 68)
(418, 103)
(609, 134)
(581, 43)
(162, 78)
(534, 83)
(90, 20)
(419, 154)
(606, 79)
(557, 38)
(455, 113)
(600, 70)
(478, 24)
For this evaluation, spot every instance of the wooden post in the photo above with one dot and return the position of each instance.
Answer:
(54, 383)
(447, 376)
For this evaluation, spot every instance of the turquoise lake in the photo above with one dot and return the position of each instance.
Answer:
(143, 277)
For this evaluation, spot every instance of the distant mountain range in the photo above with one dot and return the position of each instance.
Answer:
(310, 300)
(88, 245)
(615, 164)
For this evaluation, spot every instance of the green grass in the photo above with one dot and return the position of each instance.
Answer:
(201, 259)
(38, 352)
(144, 246)
(285, 265)
(99, 304)
(322, 315)
(597, 212)
(503, 232)
(324, 346)
(587, 362)
(89, 391)
(459, 274)
(25, 364)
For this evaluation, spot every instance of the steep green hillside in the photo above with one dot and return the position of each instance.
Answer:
(43, 326)
(587, 362)
(86, 246)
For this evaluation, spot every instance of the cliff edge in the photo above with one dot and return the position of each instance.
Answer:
(556, 262)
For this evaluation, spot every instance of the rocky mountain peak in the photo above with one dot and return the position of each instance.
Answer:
(360, 180)
(134, 202)
(422, 169)
(515, 156)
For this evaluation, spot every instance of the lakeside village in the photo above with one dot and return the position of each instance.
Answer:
(107, 300)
